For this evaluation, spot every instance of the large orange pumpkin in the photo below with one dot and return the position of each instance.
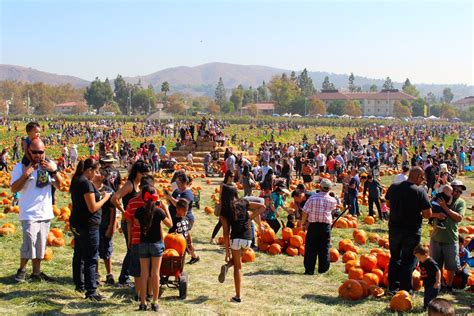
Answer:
(268, 235)
(302, 234)
(170, 253)
(374, 237)
(333, 255)
(292, 251)
(274, 249)
(281, 242)
(368, 262)
(356, 273)
(302, 250)
(365, 288)
(350, 264)
(349, 255)
(383, 259)
(57, 232)
(351, 290)
(48, 254)
(369, 220)
(371, 279)
(58, 242)
(175, 241)
(248, 255)
(379, 273)
(401, 302)
(296, 241)
(286, 233)
(360, 237)
(344, 244)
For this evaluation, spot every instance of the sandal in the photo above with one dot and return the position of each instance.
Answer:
(236, 299)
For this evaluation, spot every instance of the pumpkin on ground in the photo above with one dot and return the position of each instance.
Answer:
(292, 251)
(350, 264)
(296, 241)
(175, 241)
(274, 249)
(351, 290)
(349, 255)
(371, 279)
(416, 280)
(356, 273)
(368, 262)
(268, 235)
(286, 233)
(360, 236)
(248, 255)
(48, 254)
(401, 302)
(369, 220)
(333, 255)
(376, 291)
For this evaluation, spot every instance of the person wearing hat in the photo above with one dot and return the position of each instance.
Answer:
(317, 220)
(444, 247)
(73, 155)
(278, 203)
(113, 178)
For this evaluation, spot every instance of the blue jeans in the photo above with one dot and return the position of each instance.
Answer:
(402, 259)
(85, 257)
(430, 294)
(354, 205)
(124, 274)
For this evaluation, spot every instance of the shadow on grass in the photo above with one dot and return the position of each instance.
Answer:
(330, 300)
(30, 293)
(198, 300)
(276, 271)
(8, 280)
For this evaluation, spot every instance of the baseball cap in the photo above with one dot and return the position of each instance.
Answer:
(458, 183)
(326, 184)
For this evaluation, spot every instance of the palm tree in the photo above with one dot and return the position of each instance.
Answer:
(165, 87)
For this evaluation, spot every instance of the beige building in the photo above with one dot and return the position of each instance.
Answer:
(463, 104)
(372, 103)
(263, 108)
(67, 108)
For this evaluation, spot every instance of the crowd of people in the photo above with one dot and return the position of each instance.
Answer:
(426, 186)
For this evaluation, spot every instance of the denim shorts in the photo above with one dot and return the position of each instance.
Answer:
(237, 244)
(148, 250)
(445, 253)
(134, 268)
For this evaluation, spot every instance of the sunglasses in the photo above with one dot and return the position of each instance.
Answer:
(37, 152)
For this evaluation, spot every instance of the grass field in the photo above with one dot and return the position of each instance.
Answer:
(272, 284)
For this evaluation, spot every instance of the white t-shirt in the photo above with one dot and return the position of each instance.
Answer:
(400, 178)
(36, 204)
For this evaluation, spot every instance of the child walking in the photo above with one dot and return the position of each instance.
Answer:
(430, 273)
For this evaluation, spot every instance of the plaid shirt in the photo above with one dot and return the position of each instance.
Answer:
(319, 208)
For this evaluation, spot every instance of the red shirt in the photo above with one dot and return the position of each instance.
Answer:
(133, 205)
(331, 164)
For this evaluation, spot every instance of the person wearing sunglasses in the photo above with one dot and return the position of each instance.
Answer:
(444, 246)
(34, 182)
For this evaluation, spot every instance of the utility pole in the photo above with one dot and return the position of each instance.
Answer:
(130, 101)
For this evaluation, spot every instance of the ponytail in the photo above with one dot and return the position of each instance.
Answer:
(82, 166)
(149, 209)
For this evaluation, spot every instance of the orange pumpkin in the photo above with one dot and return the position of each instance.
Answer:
(58, 242)
(175, 241)
(209, 210)
(333, 255)
(376, 291)
(281, 242)
(302, 234)
(301, 250)
(286, 233)
(369, 220)
(292, 251)
(374, 237)
(268, 235)
(401, 302)
(360, 237)
(416, 280)
(48, 254)
(296, 241)
(170, 253)
(365, 288)
(383, 259)
(274, 249)
(356, 273)
(262, 246)
(344, 244)
(378, 272)
(351, 290)
(57, 232)
(349, 255)
(371, 279)
(368, 262)
(248, 255)
(350, 264)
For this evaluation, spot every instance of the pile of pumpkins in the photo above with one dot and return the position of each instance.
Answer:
(7, 229)
(292, 242)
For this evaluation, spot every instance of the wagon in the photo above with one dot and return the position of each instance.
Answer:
(172, 275)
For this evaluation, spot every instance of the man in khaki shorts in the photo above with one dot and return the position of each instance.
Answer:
(36, 207)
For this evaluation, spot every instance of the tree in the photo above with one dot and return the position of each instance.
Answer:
(373, 88)
(249, 97)
(80, 108)
(336, 107)
(447, 111)
(98, 93)
(177, 103)
(388, 84)
(418, 107)
(213, 107)
(400, 110)
(262, 93)
(237, 97)
(410, 89)
(430, 98)
(435, 110)
(299, 105)
(467, 116)
(111, 107)
(283, 93)
(293, 77)
(447, 95)
(327, 85)
(352, 87)
(143, 101)
(121, 92)
(220, 93)
(305, 83)
(228, 107)
(316, 106)
(352, 108)
(252, 109)
(165, 87)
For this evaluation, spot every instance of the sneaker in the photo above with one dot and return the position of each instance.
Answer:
(142, 307)
(109, 279)
(154, 307)
(194, 260)
(95, 297)
(20, 275)
(236, 299)
(223, 273)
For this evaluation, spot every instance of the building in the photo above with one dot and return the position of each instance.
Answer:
(372, 103)
(263, 108)
(68, 108)
(463, 104)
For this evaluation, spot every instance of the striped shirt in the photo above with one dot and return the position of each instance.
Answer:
(133, 205)
(319, 208)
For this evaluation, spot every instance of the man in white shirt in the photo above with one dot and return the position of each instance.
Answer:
(36, 207)
(402, 176)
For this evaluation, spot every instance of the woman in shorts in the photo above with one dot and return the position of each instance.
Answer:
(237, 225)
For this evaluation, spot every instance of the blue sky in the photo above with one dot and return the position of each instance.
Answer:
(426, 41)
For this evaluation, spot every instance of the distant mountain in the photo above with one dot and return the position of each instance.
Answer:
(202, 79)
(30, 75)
